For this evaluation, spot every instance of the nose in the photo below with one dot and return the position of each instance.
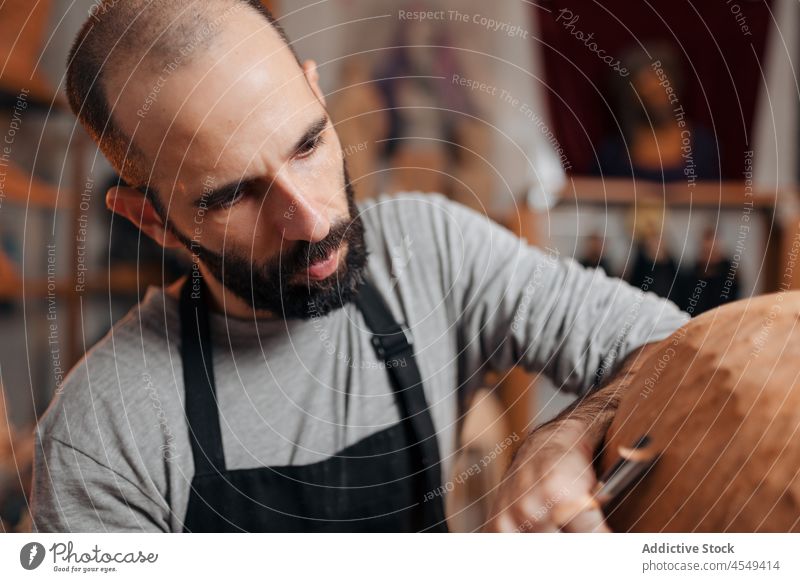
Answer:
(297, 216)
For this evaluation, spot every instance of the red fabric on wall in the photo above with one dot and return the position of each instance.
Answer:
(721, 44)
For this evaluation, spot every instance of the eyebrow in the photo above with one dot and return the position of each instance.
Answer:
(213, 197)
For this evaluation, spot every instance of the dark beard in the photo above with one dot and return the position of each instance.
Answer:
(269, 288)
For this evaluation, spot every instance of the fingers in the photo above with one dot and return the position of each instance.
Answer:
(567, 515)
(529, 526)
(508, 522)
(583, 515)
(590, 521)
(526, 514)
(534, 516)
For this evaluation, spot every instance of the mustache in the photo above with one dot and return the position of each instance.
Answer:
(307, 253)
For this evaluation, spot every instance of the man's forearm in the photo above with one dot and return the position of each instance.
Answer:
(591, 415)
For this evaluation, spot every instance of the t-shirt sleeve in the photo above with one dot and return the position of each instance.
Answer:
(86, 495)
(516, 304)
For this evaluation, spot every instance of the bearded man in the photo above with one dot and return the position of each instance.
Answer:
(310, 371)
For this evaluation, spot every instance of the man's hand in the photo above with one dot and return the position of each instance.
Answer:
(549, 485)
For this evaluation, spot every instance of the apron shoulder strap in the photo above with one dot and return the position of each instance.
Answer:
(202, 411)
(392, 343)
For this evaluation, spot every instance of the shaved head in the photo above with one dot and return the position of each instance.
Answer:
(124, 38)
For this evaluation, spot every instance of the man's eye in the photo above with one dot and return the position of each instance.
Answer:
(310, 146)
(232, 199)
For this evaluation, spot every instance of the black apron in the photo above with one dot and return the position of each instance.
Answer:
(387, 482)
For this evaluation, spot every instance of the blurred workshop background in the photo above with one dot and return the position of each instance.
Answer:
(656, 140)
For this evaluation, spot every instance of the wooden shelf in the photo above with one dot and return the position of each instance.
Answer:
(731, 196)
(122, 280)
(582, 190)
(23, 189)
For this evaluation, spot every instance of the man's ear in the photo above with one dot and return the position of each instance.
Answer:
(310, 71)
(131, 204)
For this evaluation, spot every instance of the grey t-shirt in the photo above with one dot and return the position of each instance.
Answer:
(113, 450)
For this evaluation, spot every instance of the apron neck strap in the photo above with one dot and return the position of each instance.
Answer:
(202, 412)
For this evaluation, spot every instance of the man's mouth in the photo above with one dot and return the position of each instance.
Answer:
(324, 268)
